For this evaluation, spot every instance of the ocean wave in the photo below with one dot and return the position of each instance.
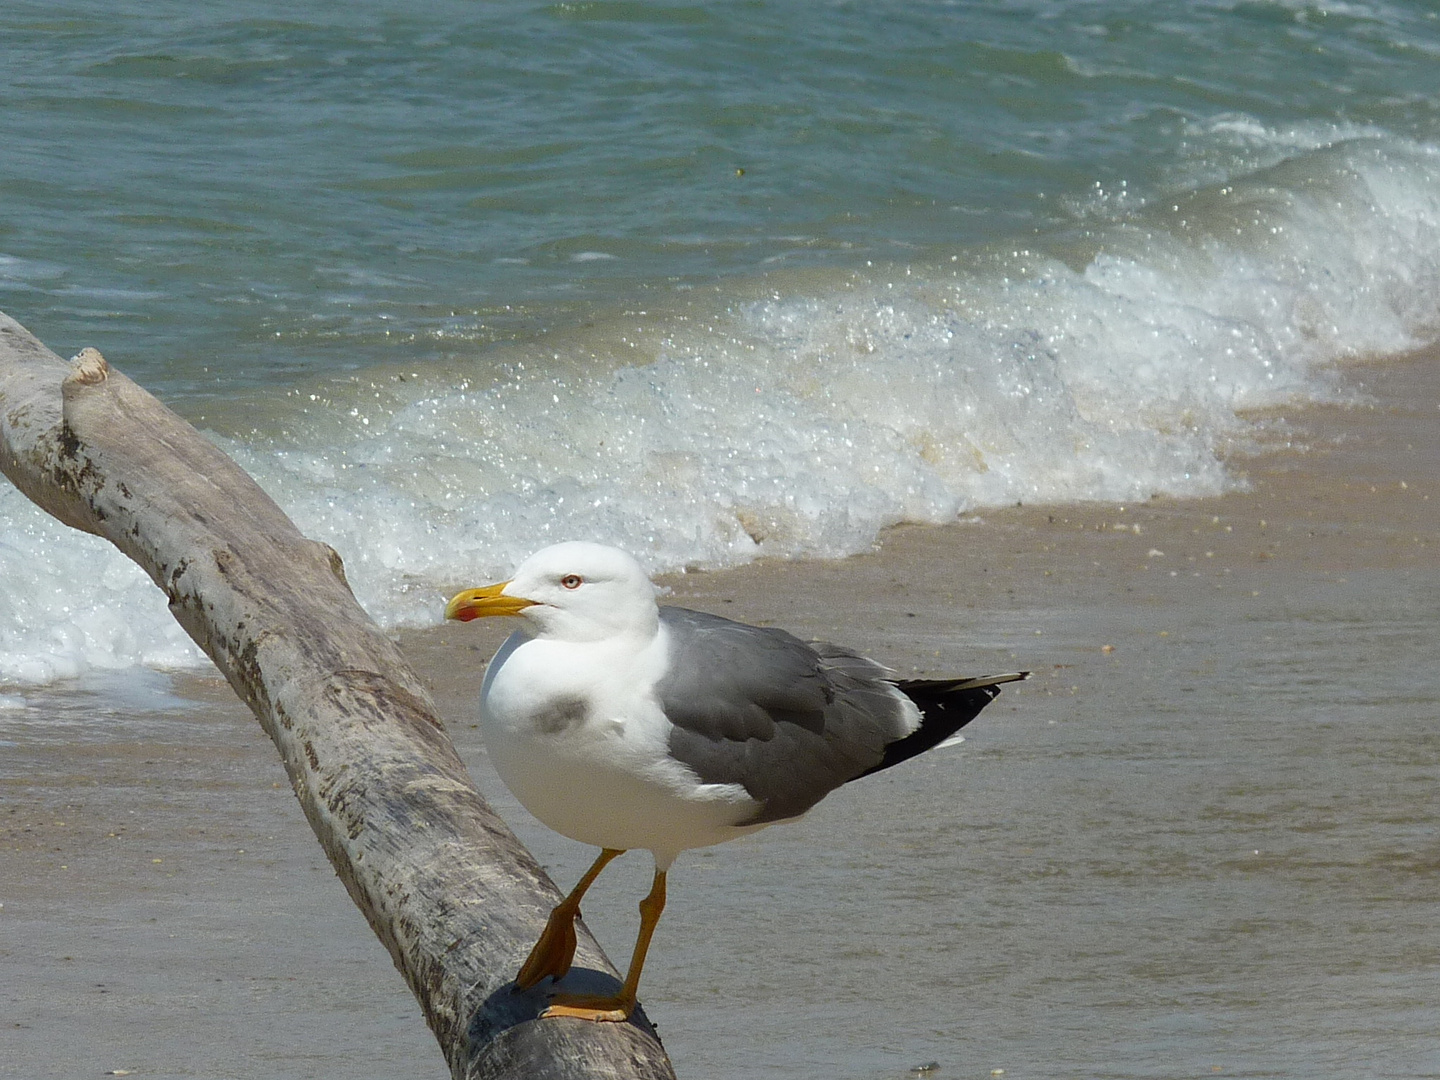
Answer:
(802, 415)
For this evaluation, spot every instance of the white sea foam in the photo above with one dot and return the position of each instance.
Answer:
(72, 603)
(807, 422)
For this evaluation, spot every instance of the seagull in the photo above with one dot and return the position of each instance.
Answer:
(623, 724)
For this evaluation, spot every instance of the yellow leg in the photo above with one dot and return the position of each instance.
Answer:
(618, 1006)
(553, 953)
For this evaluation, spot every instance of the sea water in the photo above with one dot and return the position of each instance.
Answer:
(708, 281)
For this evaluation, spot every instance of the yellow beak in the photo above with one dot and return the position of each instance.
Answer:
(482, 603)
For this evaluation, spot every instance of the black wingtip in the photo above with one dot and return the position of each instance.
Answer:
(946, 706)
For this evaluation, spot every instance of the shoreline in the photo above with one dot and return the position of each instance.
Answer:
(1211, 807)
(1194, 661)
(1330, 487)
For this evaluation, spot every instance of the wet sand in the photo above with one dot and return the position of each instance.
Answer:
(1202, 841)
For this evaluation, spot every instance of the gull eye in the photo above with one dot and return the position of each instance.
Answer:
(572, 581)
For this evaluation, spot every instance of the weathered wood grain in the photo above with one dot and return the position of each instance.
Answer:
(444, 884)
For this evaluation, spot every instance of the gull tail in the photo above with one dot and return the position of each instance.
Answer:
(946, 706)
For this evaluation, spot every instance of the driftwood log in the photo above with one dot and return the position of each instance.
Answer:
(445, 885)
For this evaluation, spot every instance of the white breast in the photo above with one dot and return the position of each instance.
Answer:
(577, 734)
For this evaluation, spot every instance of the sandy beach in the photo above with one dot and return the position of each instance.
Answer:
(1201, 841)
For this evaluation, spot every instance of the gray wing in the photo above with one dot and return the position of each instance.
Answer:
(788, 721)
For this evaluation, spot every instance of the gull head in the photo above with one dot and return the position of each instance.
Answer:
(575, 591)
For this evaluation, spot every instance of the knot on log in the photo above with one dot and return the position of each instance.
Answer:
(89, 368)
(337, 564)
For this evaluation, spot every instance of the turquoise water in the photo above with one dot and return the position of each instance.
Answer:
(229, 196)
(711, 281)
